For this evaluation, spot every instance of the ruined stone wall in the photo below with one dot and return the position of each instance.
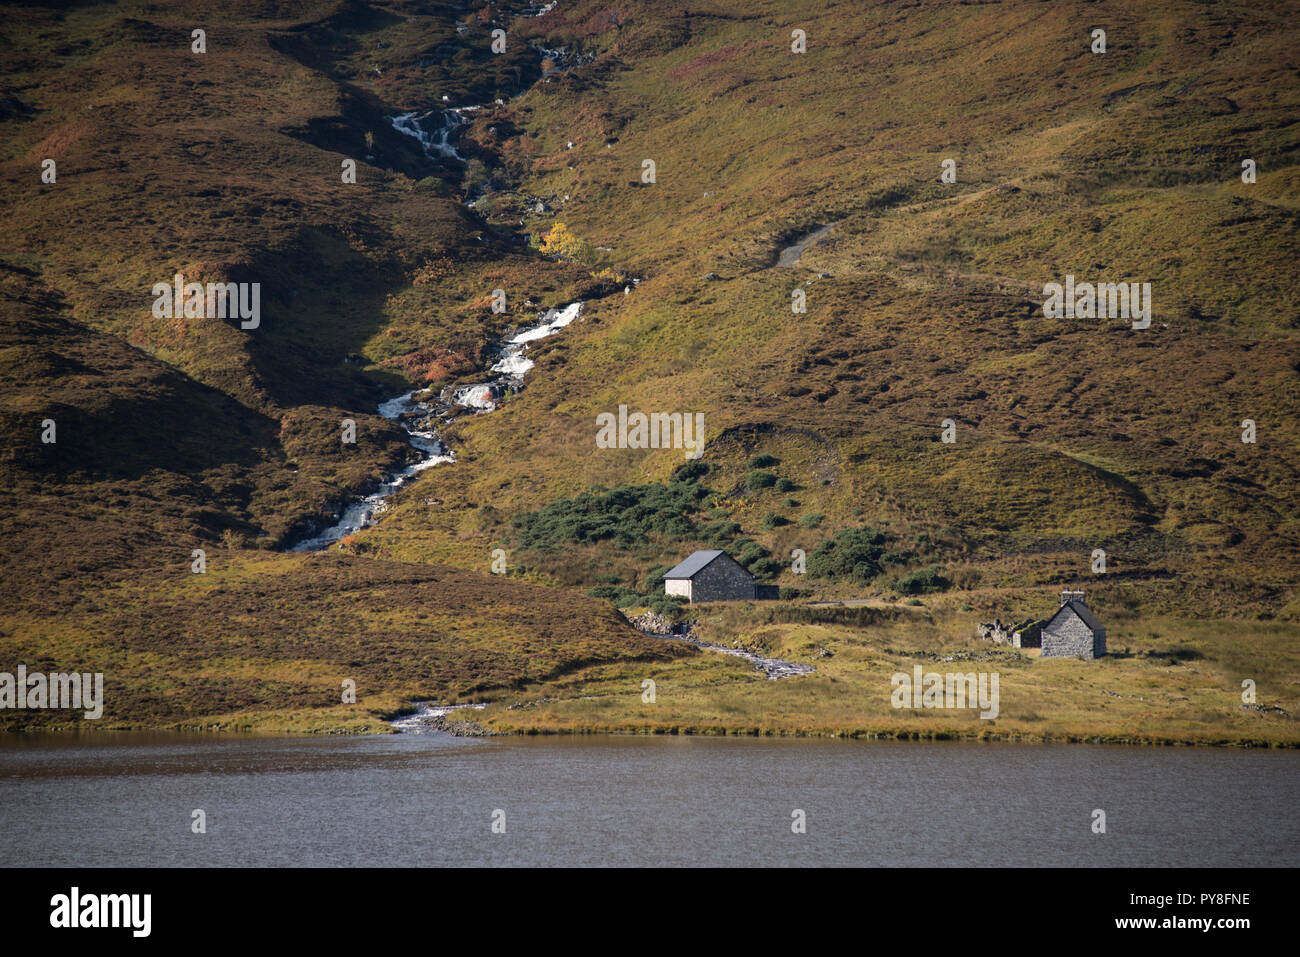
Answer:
(1028, 635)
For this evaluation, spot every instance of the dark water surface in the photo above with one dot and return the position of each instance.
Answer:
(429, 800)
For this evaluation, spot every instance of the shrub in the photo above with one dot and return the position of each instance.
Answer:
(723, 530)
(766, 568)
(749, 551)
(784, 485)
(812, 520)
(670, 606)
(690, 472)
(620, 595)
(477, 175)
(788, 593)
(757, 480)
(771, 520)
(561, 243)
(488, 518)
(763, 461)
(654, 579)
(628, 515)
(923, 581)
(853, 553)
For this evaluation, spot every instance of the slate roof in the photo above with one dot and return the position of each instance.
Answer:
(693, 564)
(1080, 609)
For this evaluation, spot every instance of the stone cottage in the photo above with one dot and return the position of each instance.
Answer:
(1074, 631)
(710, 576)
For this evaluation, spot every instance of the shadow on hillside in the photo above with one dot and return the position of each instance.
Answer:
(116, 410)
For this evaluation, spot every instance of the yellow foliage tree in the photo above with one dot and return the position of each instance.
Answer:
(563, 244)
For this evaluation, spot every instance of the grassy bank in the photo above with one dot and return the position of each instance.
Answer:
(1166, 682)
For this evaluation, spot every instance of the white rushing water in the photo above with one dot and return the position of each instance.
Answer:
(364, 511)
(437, 142)
(426, 718)
(774, 668)
(417, 418)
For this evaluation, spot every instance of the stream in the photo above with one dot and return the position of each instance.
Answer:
(438, 142)
(774, 668)
(790, 254)
(420, 417)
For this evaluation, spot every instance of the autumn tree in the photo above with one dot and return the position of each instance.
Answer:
(561, 243)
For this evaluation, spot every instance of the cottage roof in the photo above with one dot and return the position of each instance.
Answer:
(1080, 609)
(694, 564)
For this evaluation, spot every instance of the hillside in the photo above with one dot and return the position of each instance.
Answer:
(924, 304)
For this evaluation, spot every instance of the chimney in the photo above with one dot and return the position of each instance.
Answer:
(1067, 596)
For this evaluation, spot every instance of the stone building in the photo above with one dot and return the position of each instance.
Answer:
(710, 576)
(1073, 632)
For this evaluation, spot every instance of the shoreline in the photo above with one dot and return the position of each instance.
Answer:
(860, 733)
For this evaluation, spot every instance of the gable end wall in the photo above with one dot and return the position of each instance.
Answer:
(722, 580)
(1070, 637)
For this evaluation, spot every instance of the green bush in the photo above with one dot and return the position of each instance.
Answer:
(690, 472)
(757, 480)
(784, 485)
(620, 595)
(764, 568)
(628, 515)
(670, 606)
(749, 551)
(853, 554)
(654, 579)
(923, 581)
(723, 530)
(812, 520)
(771, 520)
(763, 461)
